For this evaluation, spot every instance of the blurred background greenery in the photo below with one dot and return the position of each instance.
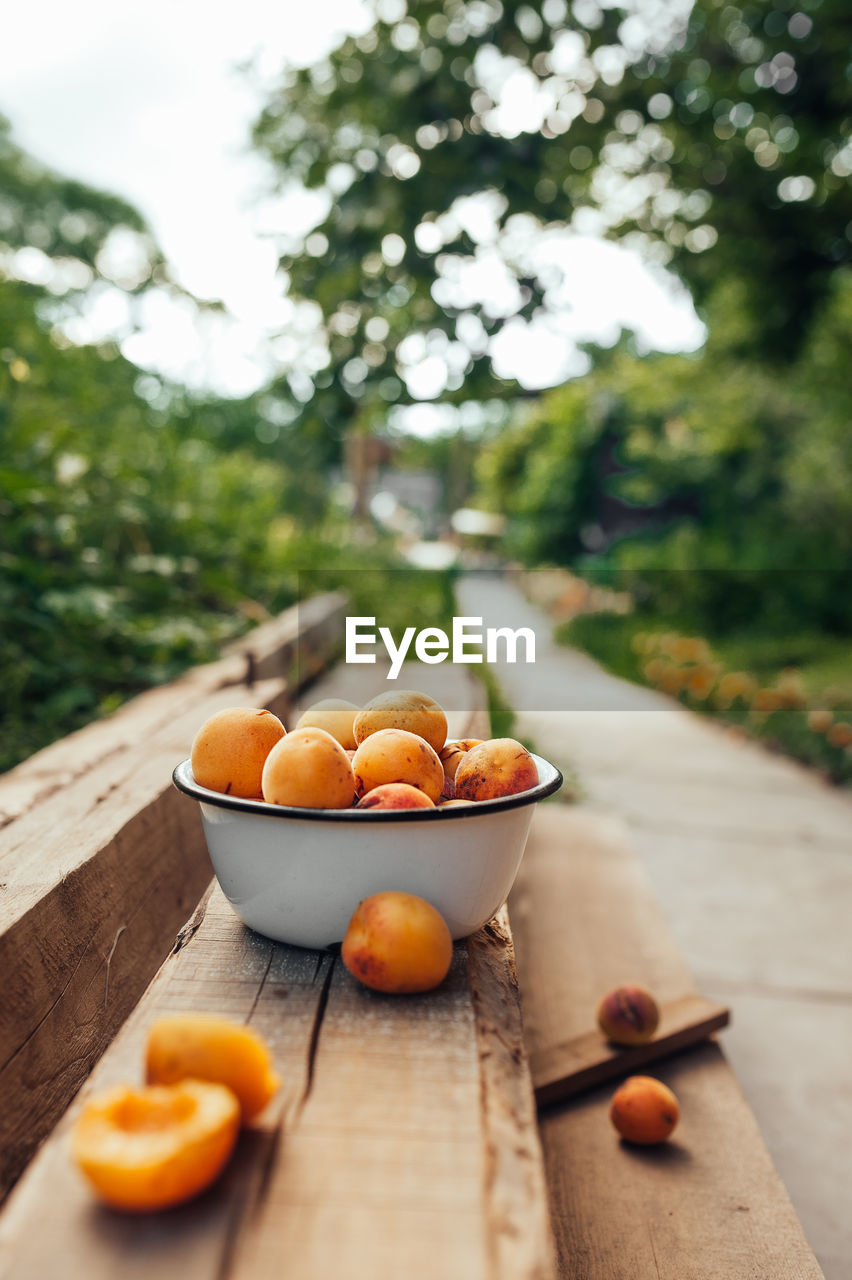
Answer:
(453, 142)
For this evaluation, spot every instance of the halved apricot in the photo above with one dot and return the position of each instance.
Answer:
(206, 1046)
(148, 1148)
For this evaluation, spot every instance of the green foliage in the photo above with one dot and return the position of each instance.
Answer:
(714, 137)
(814, 665)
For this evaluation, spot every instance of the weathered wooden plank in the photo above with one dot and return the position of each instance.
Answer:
(708, 1205)
(570, 1066)
(100, 871)
(404, 1141)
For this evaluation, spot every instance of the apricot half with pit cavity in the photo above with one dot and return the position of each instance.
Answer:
(398, 943)
(403, 709)
(494, 768)
(145, 1149)
(628, 1015)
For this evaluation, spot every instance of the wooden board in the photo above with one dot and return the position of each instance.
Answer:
(404, 1142)
(570, 1066)
(100, 865)
(707, 1205)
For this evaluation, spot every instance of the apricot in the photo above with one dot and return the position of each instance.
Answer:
(452, 752)
(403, 709)
(230, 749)
(336, 716)
(644, 1110)
(148, 1148)
(449, 804)
(309, 769)
(395, 755)
(628, 1015)
(496, 767)
(395, 795)
(398, 943)
(205, 1046)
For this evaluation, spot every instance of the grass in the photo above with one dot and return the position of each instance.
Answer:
(764, 685)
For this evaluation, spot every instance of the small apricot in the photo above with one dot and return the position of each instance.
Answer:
(452, 752)
(403, 709)
(145, 1149)
(308, 769)
(628, 1015)
(205, 1046)
(497, 767)
(395, 795)
(644, 1110)
(230, 749)
(336, 716)
(395, 755)
(398, 943)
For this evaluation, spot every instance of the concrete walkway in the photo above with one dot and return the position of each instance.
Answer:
(751, 858)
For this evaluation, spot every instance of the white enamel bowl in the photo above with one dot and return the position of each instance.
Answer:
(296, 875)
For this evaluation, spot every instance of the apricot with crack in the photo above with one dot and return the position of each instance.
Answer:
(397, 943)
(403, 709)
(336, 716)
(494, 768)
(149, 1148)
(395, 755)
(206, 1046)
(452, 753)
(230, 749)
(644, 1110)
(395, 795)
(628, 1015)
(308, 769)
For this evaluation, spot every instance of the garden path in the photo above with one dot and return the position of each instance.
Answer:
(750, 856)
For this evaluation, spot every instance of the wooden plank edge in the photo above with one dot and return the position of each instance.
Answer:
(520, 1243)
(568, 1068)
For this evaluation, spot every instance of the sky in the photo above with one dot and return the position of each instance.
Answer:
(149, 101)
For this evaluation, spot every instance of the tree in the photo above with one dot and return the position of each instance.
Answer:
(451, 135)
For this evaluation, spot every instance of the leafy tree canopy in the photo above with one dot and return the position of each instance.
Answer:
(453, 134)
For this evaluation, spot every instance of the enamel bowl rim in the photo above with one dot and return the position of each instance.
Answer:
(184, 781)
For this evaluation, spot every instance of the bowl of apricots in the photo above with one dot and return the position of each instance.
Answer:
(304, 823)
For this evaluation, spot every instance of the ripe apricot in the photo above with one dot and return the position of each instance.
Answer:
(497, 767)
(395, 755)
(397, 942)
(230, 749)
(452, 753)
(644, 1110)
(148, 1148)
(628, 1015)
(205, 1046)
(336, 716)
(403, 709)
(395, 795)
(309, 769)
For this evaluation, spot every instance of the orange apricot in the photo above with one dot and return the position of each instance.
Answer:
(395, 755)
(336, 716)
(230, 749)
(497, 767)
(206, 1046)
(145, 1149)
(403, 709)
(628, 1015)
(452, 753)
(398, 943)
(644, 1110)
(395, 795)
(308, 769)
